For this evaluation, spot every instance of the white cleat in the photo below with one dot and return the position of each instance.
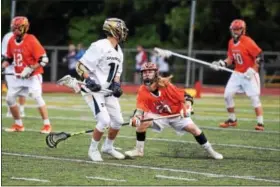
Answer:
(111, 151)
(215, 155)
(94, 155)
(134, 153)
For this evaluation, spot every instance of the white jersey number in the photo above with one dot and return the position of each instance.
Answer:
(18, 59)
(112, 73)
(237, 57)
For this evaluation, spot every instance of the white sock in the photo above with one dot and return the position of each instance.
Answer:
(47, 122)
(232, 116)
(140, 145)
(21, 108)
(260, 119)
(207, 145)
(18, 122)
(94, 144)
(109, 143)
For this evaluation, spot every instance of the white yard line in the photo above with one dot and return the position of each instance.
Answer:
(29, 179)
(174, 178)
(181, 141)
(106, 179)
(139, 167)
(91, 119)
(197, 117)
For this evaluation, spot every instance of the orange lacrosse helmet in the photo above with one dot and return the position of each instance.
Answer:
(237, 24)
(19, 25)
(150, 77)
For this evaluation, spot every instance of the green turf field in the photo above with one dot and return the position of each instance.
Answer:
(250, 158)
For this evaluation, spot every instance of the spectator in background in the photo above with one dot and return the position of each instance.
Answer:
(80, 51)
(162, 64)
(71, 60)
(140, 59)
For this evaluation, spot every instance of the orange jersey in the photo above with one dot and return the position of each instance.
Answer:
(170, 100)
(243, 53)
(25, 53)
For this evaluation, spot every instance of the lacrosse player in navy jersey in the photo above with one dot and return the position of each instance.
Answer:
(101, 67)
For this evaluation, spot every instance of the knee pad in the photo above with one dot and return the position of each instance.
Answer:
(11, 100)
(103, 121)
(229, 100)
(256, 101)
(37, 96)
(117, 123)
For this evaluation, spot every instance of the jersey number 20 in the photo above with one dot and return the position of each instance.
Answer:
(112, 73)
(237, 57)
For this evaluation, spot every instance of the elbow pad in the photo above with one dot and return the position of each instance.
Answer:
(81, 69)
(43, 60)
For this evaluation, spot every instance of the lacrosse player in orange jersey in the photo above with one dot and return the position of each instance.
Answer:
(29, 57)
(158, 97)
(247, 56)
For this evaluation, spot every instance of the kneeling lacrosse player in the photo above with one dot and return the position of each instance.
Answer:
(100, 68)
(158, 97)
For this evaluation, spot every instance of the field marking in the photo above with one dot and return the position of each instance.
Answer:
(174, 178)
(83, 118)
(192, 142)
(180, 141)
(140, 167)
(29, 179)
(106, 179)
(84, 108)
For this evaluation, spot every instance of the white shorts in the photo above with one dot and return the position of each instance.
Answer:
(177, 123)
(25, 87)
(10, 79)
(102, 106)
(239, 84)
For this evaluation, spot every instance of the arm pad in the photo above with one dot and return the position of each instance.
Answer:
(43, 60)
(81, 69)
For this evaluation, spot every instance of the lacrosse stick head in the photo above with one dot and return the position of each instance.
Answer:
(162, 52)
(52, 139)
(70, 82)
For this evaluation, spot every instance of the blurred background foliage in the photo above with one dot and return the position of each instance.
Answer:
(151, 23)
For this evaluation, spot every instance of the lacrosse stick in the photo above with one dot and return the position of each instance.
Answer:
(73, 83)
(167, 53)
(13, 74)
(52, 139)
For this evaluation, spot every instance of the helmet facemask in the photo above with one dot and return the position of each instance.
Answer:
(149, 77)
(19, 27)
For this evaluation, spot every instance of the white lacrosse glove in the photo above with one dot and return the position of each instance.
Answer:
(162, 52)
(134, 121)
(249, 73)
(26, 72)
(217, 64)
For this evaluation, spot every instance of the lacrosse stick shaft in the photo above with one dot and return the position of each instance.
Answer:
(199, 61)
(127, 123)
(12, 74)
